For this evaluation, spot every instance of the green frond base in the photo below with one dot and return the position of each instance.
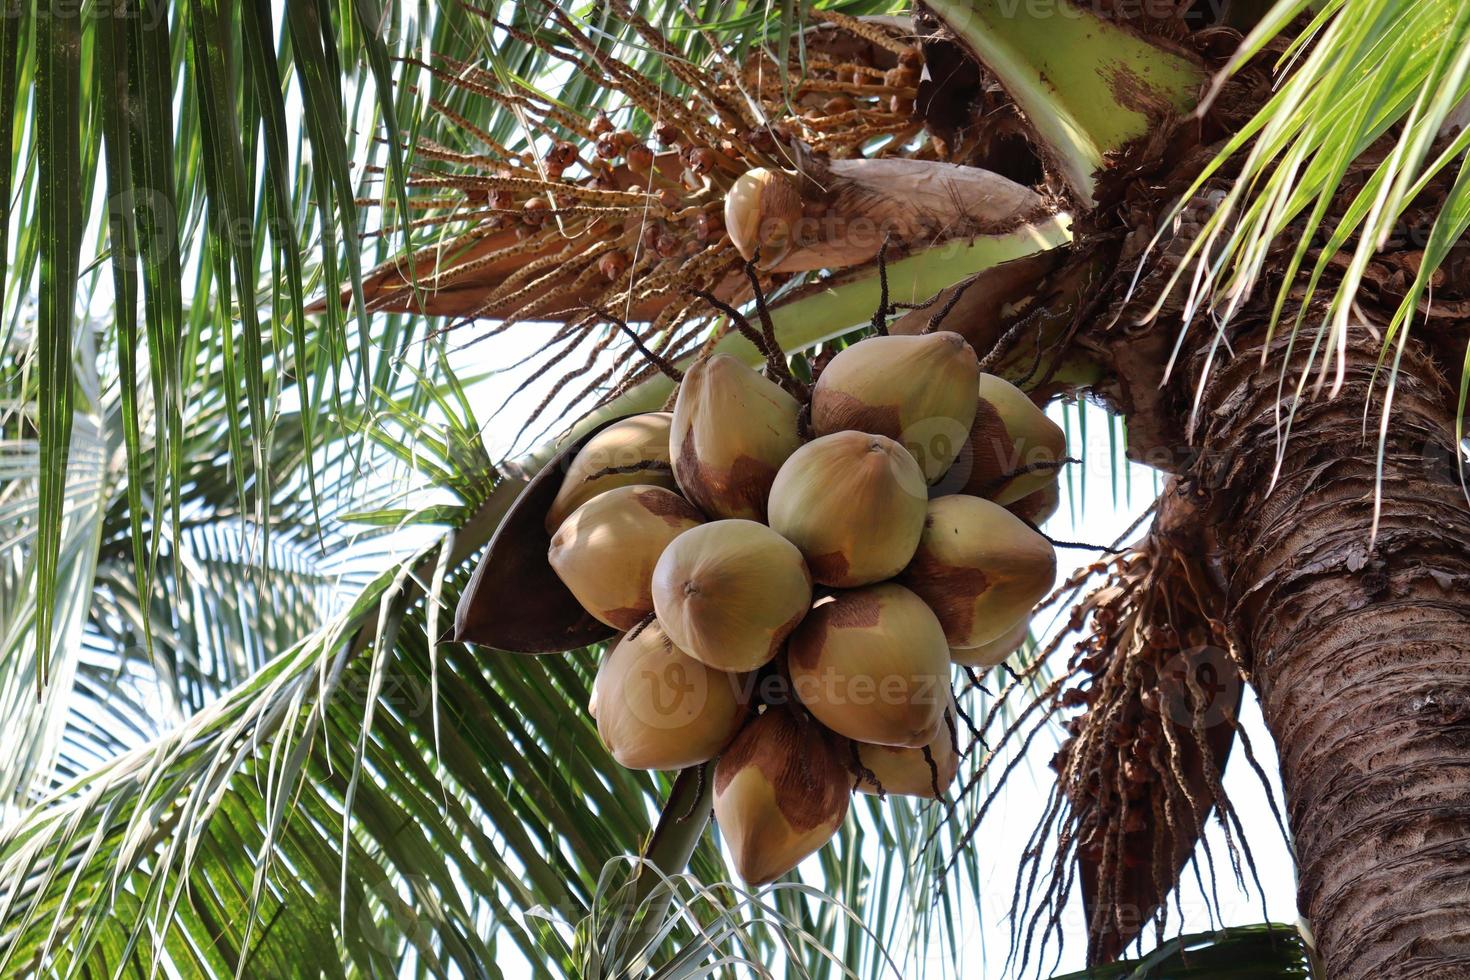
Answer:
(1088, 86)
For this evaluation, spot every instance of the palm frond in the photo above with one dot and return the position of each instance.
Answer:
(1269, 950)
(33, 714)
(1351, 153)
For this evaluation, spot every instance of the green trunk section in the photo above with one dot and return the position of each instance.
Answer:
(1088, 86)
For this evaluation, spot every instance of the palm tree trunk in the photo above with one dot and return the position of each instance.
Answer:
(1359, 646)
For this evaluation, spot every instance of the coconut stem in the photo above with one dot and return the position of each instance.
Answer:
(1002, 345)
(880, 315)
(657, 360)
(766, 345)
(970, 722)
(933, 773)
(975, 682)
(768, 327)
(1079, 545)
(944, 311)
(641, 625)
(642, 466)
(1040, 466)
(738, 320)
(862, 772)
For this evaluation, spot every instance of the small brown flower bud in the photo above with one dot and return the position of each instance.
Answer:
(640, 158)
(562, 155)
(701, 160)
(613, 265)
(535, 211)
(607, 146)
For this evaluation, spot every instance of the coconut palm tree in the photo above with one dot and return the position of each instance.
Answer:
(246, 488)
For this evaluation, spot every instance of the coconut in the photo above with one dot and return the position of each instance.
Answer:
(1038, 506)
(872, 664)
(919, 390)
(907, 771)
(659, 708)
(605, 552)
(728, 593)
(995, 652)
(1009, 434)
(632, 451)
(979, 567)
(731, 431)
(854, 503)
(762, 209)
(781, 792)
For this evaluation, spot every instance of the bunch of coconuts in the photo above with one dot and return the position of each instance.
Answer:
(794, 570)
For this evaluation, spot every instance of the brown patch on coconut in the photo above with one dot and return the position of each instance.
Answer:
(979, 567)
(731, 431)
(872, 664)
(918, 390)
(781, 792)
(674, 509)
(606, 551)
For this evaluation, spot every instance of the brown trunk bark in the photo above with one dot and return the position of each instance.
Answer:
(1360, 651)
